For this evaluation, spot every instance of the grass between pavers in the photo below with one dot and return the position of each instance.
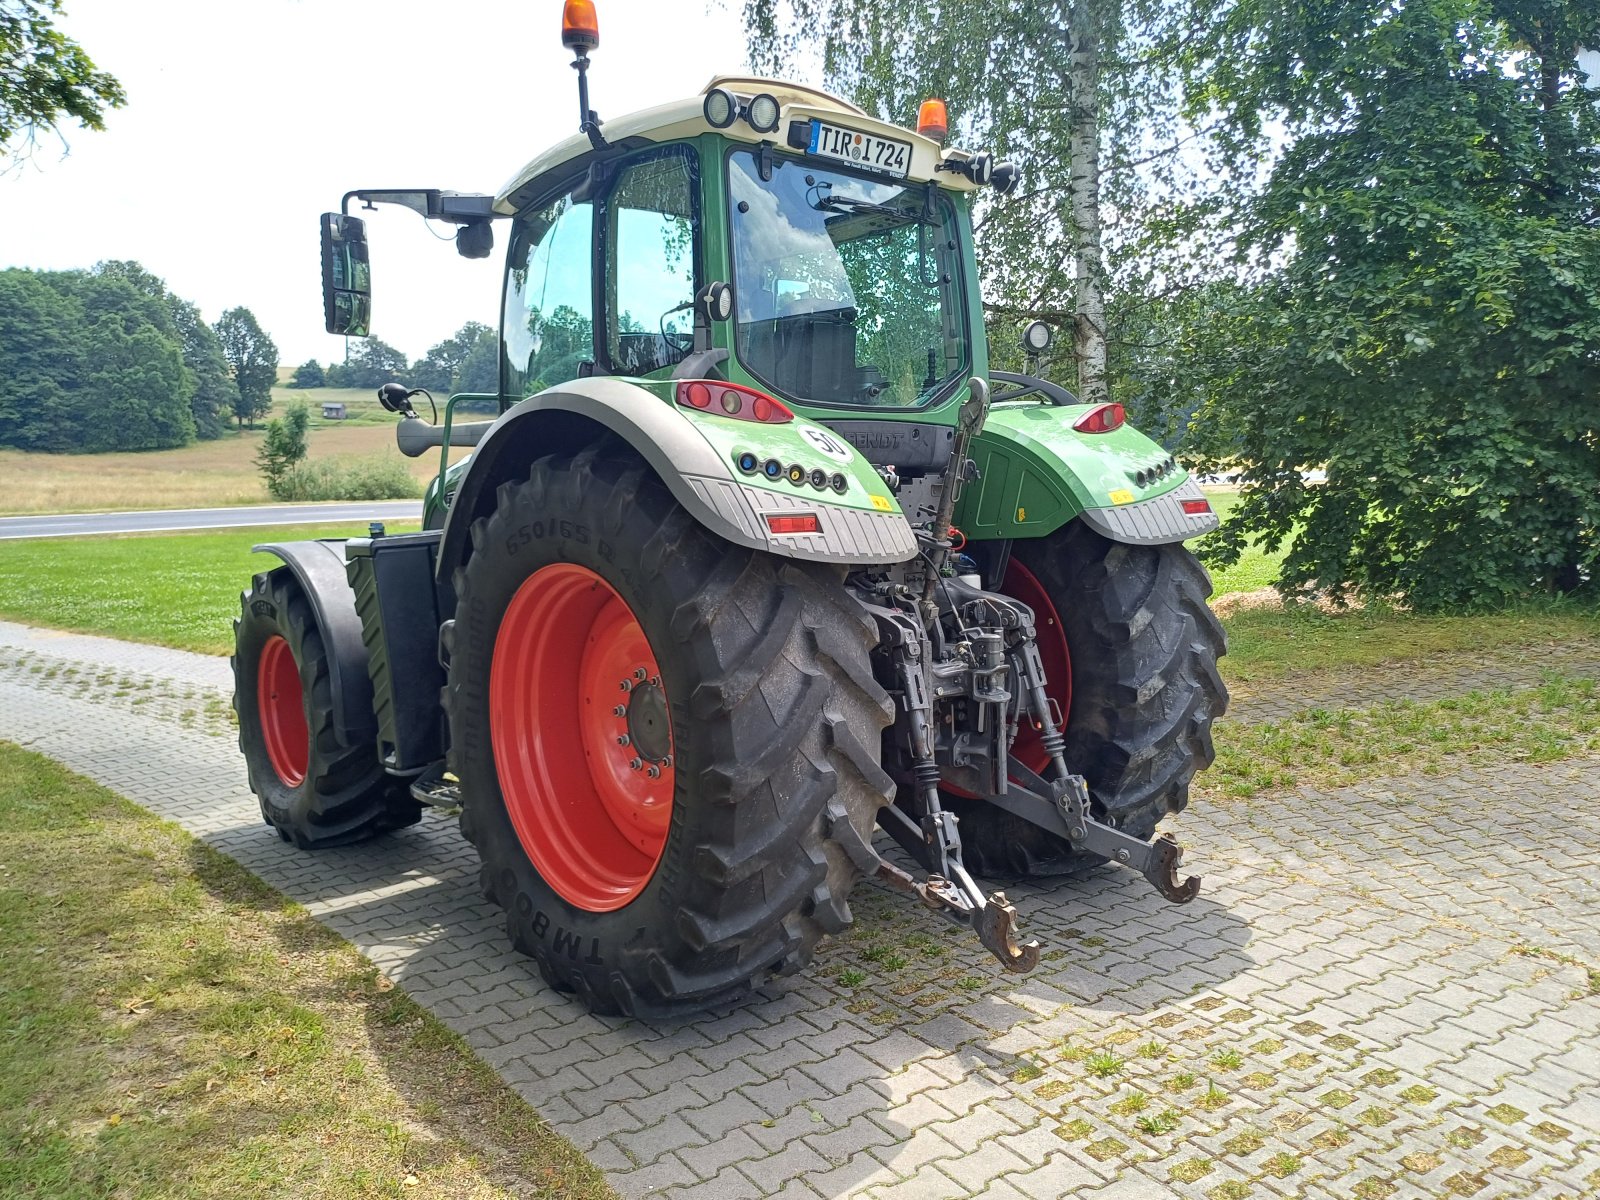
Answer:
(170, 1026)
(180, 589)
(1558, 719)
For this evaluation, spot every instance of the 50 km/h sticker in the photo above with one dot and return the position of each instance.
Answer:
(827, 443)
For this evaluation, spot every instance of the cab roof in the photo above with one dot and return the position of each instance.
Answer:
(686, 118)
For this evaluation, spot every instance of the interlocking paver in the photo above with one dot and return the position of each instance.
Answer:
(1365, 951)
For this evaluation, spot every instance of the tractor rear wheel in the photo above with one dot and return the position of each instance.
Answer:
(1130, 652)
(316, 789)
(665, 742)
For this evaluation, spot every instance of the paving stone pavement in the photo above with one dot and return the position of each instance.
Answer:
(1383, 991)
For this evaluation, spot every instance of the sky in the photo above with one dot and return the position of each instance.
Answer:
(245, 121)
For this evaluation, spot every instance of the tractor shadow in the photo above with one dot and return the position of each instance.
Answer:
(900, 1001)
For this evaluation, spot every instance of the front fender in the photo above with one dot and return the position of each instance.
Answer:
(1037, 473)
(693, 453)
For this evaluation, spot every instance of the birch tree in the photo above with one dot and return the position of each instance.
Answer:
(1062, 88)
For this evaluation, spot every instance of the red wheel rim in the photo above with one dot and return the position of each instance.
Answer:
(283, 712)
(582, 740)
(1022, 584)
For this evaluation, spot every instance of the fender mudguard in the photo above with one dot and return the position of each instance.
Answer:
(1036, 473)
(319, 569)
(692, 455)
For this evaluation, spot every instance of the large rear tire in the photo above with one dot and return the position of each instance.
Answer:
(750, 692)
(1130, 649)
(316, 789)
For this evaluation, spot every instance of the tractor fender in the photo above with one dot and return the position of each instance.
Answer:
(319, 569)
(1036, 472)
(572, 415)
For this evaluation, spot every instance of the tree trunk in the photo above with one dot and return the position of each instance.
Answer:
(1083, 145)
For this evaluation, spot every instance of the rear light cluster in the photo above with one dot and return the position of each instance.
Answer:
(775, 470)
(1102, 418)
(733, 400)
(1196, 508)
(1151, 474)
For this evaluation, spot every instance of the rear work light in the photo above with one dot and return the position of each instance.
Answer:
(1196, 507)
(1102, 418)
(733, 400)
(804, 524)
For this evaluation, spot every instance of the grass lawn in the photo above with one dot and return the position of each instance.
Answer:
(204, 475)
(170, 1026)
(1558, 719)
(178, 590)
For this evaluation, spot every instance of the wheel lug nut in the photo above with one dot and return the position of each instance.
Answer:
(619, 711)
(640, 674)
(627, 685)
(637, 763)
(655, 772)
(622, 739)
(667, 761)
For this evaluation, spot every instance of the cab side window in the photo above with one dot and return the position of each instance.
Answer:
(549, 308)
(651, 221)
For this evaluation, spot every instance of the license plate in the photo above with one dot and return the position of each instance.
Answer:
(863, 149)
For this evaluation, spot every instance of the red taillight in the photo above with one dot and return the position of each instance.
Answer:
(1195, 507)
(1102, 418)
(805, 524)
(733, 400)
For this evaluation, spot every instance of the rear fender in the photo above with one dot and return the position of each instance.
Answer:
(1037, 473)
(319, 569)
(693, 453)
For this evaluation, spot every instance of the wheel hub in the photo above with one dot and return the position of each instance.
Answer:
(648, 730)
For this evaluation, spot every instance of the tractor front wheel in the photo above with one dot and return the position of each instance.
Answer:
(1130, 652)
(316, 788)
(666, 743)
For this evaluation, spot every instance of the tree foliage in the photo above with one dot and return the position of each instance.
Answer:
(309, 374)
(46, 77)
(284, 447)
(90, 361)
(252, 359)
(1422, 315)
(372, 363)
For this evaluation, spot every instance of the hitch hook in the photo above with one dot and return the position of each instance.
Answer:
(1161, 869)
(996, 926)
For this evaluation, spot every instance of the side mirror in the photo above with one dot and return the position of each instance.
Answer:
(346, 276)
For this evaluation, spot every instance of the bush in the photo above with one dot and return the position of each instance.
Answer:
(284, 447)
(376, 477)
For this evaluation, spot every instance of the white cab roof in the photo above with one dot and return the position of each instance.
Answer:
(686, 118)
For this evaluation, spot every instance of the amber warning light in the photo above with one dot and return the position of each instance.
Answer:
(933, 120)
(580, 25)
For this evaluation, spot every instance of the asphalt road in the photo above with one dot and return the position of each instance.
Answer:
(165, 520)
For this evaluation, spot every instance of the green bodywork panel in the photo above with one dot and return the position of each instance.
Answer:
(790, 444)
(1037, 472)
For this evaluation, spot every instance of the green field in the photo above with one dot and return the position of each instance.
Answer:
(183, 590)
(178, 590)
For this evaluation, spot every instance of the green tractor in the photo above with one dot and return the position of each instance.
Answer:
(759, 557)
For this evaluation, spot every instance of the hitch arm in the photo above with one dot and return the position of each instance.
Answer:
(1063, 809)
